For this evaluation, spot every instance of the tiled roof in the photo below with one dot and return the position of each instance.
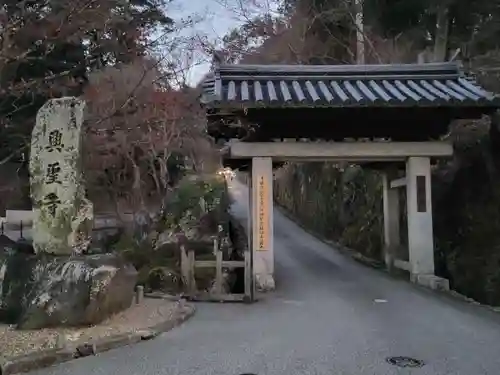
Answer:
(256, 86)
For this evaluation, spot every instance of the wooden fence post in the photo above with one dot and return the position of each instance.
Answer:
(218, 272)
(248, 277)
(192, 265)
(184, 266)
(139, 294)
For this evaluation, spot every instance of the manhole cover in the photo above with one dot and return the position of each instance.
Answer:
(405, 362)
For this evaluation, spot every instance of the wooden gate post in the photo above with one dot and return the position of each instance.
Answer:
(261, 211)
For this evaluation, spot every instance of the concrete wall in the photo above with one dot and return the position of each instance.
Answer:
(14, 217)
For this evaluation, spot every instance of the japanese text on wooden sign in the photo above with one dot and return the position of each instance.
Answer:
(262, 214)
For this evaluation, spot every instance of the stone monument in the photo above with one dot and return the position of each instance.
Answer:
(62, 215)
(54, 282)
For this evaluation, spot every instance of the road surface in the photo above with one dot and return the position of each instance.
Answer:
(329, 316)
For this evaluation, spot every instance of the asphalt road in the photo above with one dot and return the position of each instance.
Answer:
(329, 316)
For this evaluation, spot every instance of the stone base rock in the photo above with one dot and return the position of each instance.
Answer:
(431, 281)
(264, 283)
(227, 282)
(38, 291)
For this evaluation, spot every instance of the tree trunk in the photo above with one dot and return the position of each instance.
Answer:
(340, 183)
(442, 32)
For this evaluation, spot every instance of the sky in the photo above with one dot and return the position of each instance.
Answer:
(216, 19)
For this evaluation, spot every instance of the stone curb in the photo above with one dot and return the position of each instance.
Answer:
(49, 357)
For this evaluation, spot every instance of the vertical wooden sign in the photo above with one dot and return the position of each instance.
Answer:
(262, 213)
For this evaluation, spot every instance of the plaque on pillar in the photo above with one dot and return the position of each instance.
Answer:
(262, 214)
(421, 194)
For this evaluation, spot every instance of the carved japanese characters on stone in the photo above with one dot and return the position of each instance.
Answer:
(62, 215)
(52, 173)
(55, 141)
(51, 201)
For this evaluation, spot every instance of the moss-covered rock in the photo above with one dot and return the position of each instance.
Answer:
(42, 290)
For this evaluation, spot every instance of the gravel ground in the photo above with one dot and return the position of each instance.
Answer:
(138, 317)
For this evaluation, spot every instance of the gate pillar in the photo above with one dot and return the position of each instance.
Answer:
(420, 228)
(262, 227)
(391, 220)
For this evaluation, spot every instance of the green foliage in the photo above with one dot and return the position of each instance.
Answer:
(139, 254)
(196, 207)
(164, 279)
(311, 192)
(466, 220)
(192, 198)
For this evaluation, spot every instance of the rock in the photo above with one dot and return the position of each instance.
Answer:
(85, 350)
(227, 281)
(43, 290)
(62, 216)
(6, 243)
(6, 247)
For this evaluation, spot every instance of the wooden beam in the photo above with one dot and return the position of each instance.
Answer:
(400, 182)
(339, 151)
(223, 263)
(210, 297)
